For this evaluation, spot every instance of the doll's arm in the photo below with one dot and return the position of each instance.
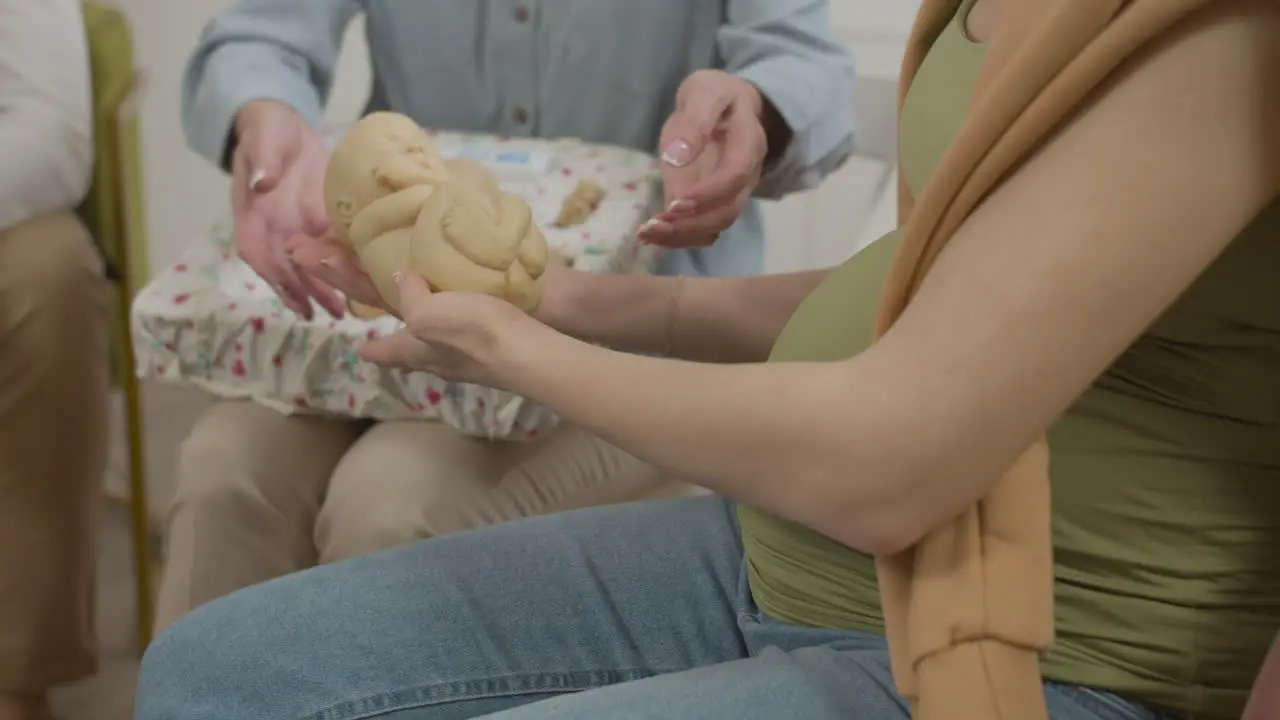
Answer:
(490, 240)
(392, 212)
(404, 171)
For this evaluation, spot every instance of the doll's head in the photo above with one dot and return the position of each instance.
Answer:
(380, 154)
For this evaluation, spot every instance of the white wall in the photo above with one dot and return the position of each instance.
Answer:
(184, 195)
(856, 204)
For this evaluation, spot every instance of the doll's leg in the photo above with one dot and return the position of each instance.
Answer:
(466, 624)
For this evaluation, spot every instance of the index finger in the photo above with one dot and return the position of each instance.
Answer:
(293, 291)
(333, 263)
(395, 350)
(415, 307)
(253, 240)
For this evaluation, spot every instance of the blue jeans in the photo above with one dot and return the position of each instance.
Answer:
(631, 611)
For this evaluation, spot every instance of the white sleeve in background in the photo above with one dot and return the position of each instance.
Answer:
(46, 120)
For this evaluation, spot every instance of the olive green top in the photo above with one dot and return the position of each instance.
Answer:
(1166, 472)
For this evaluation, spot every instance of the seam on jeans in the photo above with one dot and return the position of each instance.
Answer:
(369, 706)
(1106, 704)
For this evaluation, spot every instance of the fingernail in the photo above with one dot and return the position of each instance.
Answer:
(677, 153)
(682, 205)
(397, 277)
(655, 227)
(327, 262)
(256, 178)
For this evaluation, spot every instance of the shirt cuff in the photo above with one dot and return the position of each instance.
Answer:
(211, 115)
(790, 85)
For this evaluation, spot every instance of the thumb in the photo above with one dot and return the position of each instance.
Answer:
(414, 296)
(689, 128)
(264, 160)
(392, 350)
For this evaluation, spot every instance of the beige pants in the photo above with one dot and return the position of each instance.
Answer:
(54, 367)
(262, 494)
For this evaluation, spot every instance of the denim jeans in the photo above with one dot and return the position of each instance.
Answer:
(630, 611)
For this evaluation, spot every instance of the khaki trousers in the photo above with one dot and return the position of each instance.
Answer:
(54, 366)
(261, 494)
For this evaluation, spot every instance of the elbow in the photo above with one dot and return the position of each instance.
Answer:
(877, 529)
(891, 538)
(868, 517)
(897, 510)
(889, 513)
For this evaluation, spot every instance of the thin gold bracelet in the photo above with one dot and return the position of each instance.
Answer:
(673, 313)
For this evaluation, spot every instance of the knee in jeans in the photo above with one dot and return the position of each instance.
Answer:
(182, 667)
(215, 662)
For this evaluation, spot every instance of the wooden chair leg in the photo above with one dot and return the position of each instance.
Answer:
(140, 518)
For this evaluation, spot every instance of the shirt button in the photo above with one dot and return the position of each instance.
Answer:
(520, 115)
(522, 14)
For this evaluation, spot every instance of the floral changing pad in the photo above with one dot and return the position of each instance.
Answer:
(210, 321)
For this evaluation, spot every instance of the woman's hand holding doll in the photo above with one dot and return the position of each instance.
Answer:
(458, 336)
(455, 335)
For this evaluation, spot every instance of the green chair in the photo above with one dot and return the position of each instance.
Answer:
(113, 213)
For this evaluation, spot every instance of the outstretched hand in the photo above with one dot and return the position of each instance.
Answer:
(713, 148)
(276, 176)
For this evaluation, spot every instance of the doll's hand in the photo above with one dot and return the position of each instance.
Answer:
(457, 336)
(327, 259)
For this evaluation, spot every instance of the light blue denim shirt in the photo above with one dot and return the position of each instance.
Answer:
(605, 71)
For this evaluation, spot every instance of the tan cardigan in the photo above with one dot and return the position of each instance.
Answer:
(969, 609)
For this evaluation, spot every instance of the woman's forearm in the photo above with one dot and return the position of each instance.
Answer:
(796, 439)
(1264, 701)
(720, 320)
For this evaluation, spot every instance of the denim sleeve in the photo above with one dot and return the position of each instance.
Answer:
(283, 50)
(787, 50)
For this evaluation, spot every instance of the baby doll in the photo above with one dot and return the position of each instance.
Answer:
(400, 206)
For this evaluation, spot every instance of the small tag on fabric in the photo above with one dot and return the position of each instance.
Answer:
(509, 161)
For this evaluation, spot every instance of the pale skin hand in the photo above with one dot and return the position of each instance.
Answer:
(452, 335)
(276, 193)
(1264, 701)
(876, 450)
(713, 151)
